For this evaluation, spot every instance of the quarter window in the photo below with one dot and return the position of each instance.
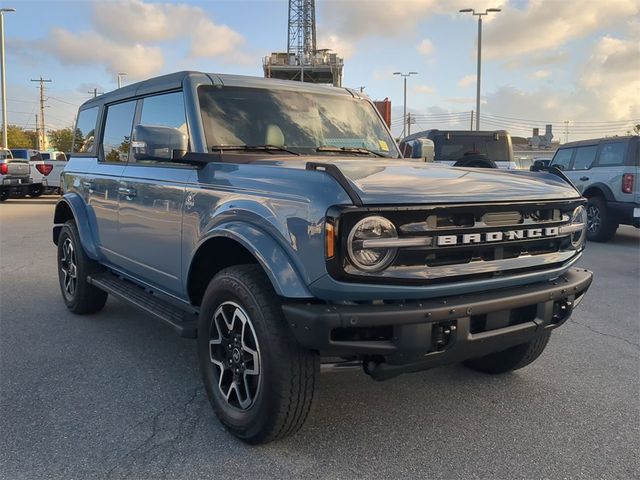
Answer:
(612, 154)
(116, 140)
(584, 157)
(562, 158)
(84, 138)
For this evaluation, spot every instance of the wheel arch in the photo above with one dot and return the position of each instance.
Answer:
(599, 189)
(71, 207)
(242, 244)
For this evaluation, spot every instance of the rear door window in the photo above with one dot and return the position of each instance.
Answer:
(585, 156)
(116, 140)
(612, 154)
(562, 158)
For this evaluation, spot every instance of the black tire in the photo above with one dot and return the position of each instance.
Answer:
(279, 397)
(475, 161)
(600, 226)
(36, 191)
(511, 359)
(4, 195)
(83, 297)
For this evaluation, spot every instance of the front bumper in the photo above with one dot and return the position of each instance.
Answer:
(417, 335)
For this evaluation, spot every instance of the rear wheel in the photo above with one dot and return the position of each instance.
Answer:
(74, 266)
(4, 195)
(600, 226)
(36, 190)
(259, 380)
(511, 359)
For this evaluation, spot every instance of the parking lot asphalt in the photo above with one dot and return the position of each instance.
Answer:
(118, 395)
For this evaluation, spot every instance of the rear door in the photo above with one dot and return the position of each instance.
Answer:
(151, 202)
(103, 184)
(611, 166)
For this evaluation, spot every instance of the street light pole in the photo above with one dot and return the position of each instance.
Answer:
(3, 74)
(478, 76)
(404, 115)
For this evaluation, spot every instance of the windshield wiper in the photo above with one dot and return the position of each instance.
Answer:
(246, 148)
(356, 150)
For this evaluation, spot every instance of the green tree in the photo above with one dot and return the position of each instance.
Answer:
(19, 137)
(61, 139)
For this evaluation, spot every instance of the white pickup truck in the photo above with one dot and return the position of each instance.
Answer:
(46, 167)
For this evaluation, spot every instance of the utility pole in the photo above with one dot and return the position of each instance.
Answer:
(566, 131)
(42, 138)
(404, 115)
(95, 92)
(408, 123)
(38, 131)
(471, 127)
(479, 15)
(3, 77)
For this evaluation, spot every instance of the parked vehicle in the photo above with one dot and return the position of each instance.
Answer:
(277, 222)
(55, 161)
(468, 148)
(607, 172)
(15, 176)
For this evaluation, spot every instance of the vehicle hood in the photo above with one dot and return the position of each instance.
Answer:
(407, 182)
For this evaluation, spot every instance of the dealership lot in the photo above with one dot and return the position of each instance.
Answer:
(117, 395)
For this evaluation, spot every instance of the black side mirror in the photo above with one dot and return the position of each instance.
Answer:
(158, 143)
(539, 165)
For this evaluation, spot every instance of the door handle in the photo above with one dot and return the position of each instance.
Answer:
(584, 179)
(90, 186)
(129, 193)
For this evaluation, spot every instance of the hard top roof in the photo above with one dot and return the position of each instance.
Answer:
(175, 80)
(595, 141)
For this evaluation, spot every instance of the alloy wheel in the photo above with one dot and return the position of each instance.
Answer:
(69, 268)
(593, 219)
(234, 350)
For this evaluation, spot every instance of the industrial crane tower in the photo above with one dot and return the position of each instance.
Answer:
(303, 61)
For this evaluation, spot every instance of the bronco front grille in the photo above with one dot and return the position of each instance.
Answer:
(464, 241)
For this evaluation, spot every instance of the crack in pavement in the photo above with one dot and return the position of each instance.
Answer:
(148, 445)
(590, 328)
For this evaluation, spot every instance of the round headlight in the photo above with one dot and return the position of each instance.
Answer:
(579, 217)
(363, 254)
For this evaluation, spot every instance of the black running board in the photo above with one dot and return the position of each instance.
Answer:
(183, 322)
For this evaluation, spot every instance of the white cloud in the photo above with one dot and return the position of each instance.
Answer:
(425, 47)
(90, 48)
(423, 89)
(336, 43)
(467, 80)
(548, 24)
(137, 21)
(540, 74)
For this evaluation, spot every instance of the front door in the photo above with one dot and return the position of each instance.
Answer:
(152, 196)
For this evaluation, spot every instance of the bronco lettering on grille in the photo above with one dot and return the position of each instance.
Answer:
(485, 237)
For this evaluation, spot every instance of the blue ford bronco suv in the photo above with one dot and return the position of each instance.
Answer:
(277, 223)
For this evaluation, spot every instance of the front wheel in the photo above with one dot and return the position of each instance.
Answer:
(259, 380)
(511, 359)
(4, 195)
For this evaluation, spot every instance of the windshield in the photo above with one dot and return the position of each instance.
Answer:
(303, 122)
(459, 146)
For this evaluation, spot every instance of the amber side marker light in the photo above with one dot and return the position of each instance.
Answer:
(329, 240)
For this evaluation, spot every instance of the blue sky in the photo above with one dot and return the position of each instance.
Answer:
(543, 60)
